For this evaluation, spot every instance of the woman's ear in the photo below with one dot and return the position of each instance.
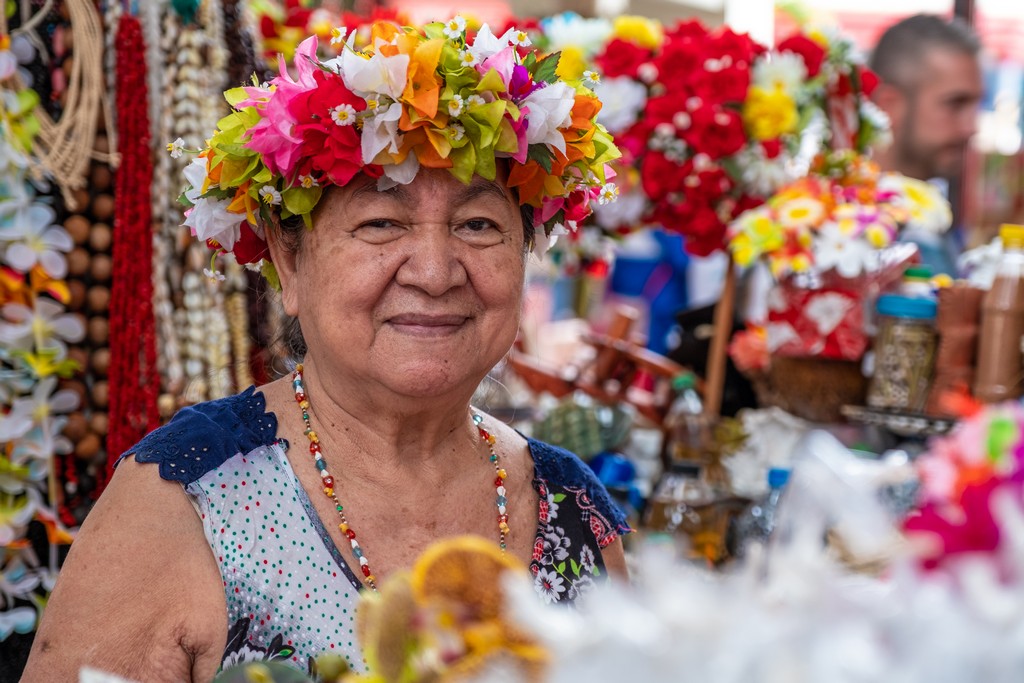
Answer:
(284, 262)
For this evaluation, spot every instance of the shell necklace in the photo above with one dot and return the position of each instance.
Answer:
(328, 481)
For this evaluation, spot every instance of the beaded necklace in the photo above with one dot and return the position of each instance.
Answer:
(328, 480)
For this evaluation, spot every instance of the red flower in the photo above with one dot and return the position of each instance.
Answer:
(772, 148)
(660, 176)
(704, 233)
(868, 81)
(622, 58)
(740, 48)
(332, 149)
(715, 131)
(812, 53)
(250, 247)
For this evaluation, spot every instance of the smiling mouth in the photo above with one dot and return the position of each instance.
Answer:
(426, 325)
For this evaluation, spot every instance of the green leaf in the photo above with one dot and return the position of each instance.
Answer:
(560, 568)
(301, 200)
(597, 571)
(270, 275)
(559, 497)
(542, 155)
(1002, 435)
(575, 567)
(546, 68)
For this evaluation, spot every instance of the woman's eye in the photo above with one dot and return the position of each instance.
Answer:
(378, 230)
(479, 225)
(378, 223)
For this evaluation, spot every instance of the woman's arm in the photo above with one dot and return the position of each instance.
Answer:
(615, 560)
(140, 594)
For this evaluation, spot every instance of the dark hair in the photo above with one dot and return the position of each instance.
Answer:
(898, 54)
(291, 232)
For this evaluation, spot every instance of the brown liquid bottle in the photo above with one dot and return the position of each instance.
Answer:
(1002, 325)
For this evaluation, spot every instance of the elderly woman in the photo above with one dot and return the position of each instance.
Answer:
(392, 195)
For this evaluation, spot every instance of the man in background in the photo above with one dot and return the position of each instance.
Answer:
(931, 86)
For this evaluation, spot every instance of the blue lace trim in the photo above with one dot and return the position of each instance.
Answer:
(563, 469)
(202, 437)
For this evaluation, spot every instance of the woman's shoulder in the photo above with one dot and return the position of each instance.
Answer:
(563, 474)
(200, 438)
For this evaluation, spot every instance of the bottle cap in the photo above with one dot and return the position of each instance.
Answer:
(684, 381)
(916, 308)
(918, 273)
(778, 477)
(1012, 235)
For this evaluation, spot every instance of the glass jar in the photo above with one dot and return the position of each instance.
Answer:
(905, 349)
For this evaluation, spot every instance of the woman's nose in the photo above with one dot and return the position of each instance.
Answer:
(433, 264)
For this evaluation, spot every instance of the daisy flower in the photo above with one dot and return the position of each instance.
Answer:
(214, 275)
(338, 34)
(801, 212)
(591, 79)
(521, 38)
(456, 131)
(456, 106)
(609, 193)
(475, 101)
(270, 195)
(307, 181)
(454, 27)
(343, 115)
(468, 58)
(176, 148)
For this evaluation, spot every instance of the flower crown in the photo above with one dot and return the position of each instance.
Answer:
(413, 98)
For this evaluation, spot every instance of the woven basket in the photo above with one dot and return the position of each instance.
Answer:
(814, 389)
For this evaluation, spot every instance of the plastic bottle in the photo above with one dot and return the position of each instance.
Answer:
(917, 282)
(1002, 324)
(758, 521)
(687, 425)
(683, 505)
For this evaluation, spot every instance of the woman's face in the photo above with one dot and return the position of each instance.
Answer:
(416, 289)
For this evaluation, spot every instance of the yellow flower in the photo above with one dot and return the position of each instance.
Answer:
(639, 30)
(572, 64)
(758, 235)
(769, 114)
(801, 212)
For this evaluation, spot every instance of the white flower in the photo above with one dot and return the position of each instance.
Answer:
(30, 411)
(834, 248)
(456, 131)
(879, 120)
(47, 325)
(456, 105)
(622, 101)
(380, 132)
(468, 58)
(626, 211)
(591, 79)
(343, 114)
(455, 27)
(570, 29)
(784, 70)
(270, 195)
(38, 240)
(549, 585)
(214, 275)
(338, 34)
(928, 209)
(176, 148)
(761, 175)
(647, 72)
(609, 193)
(550, 109)
(378, 75)
(401, 174)
(307, 181)
(209, 218)
(522, 39)
(475, 101)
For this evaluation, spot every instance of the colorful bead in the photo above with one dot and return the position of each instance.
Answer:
(328, 480)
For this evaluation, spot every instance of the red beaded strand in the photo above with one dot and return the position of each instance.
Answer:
(328, 481)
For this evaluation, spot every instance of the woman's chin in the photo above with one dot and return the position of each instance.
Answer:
(430, 378)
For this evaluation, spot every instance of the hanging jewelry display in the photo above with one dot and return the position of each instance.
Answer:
(64, 148)
(134, 379)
